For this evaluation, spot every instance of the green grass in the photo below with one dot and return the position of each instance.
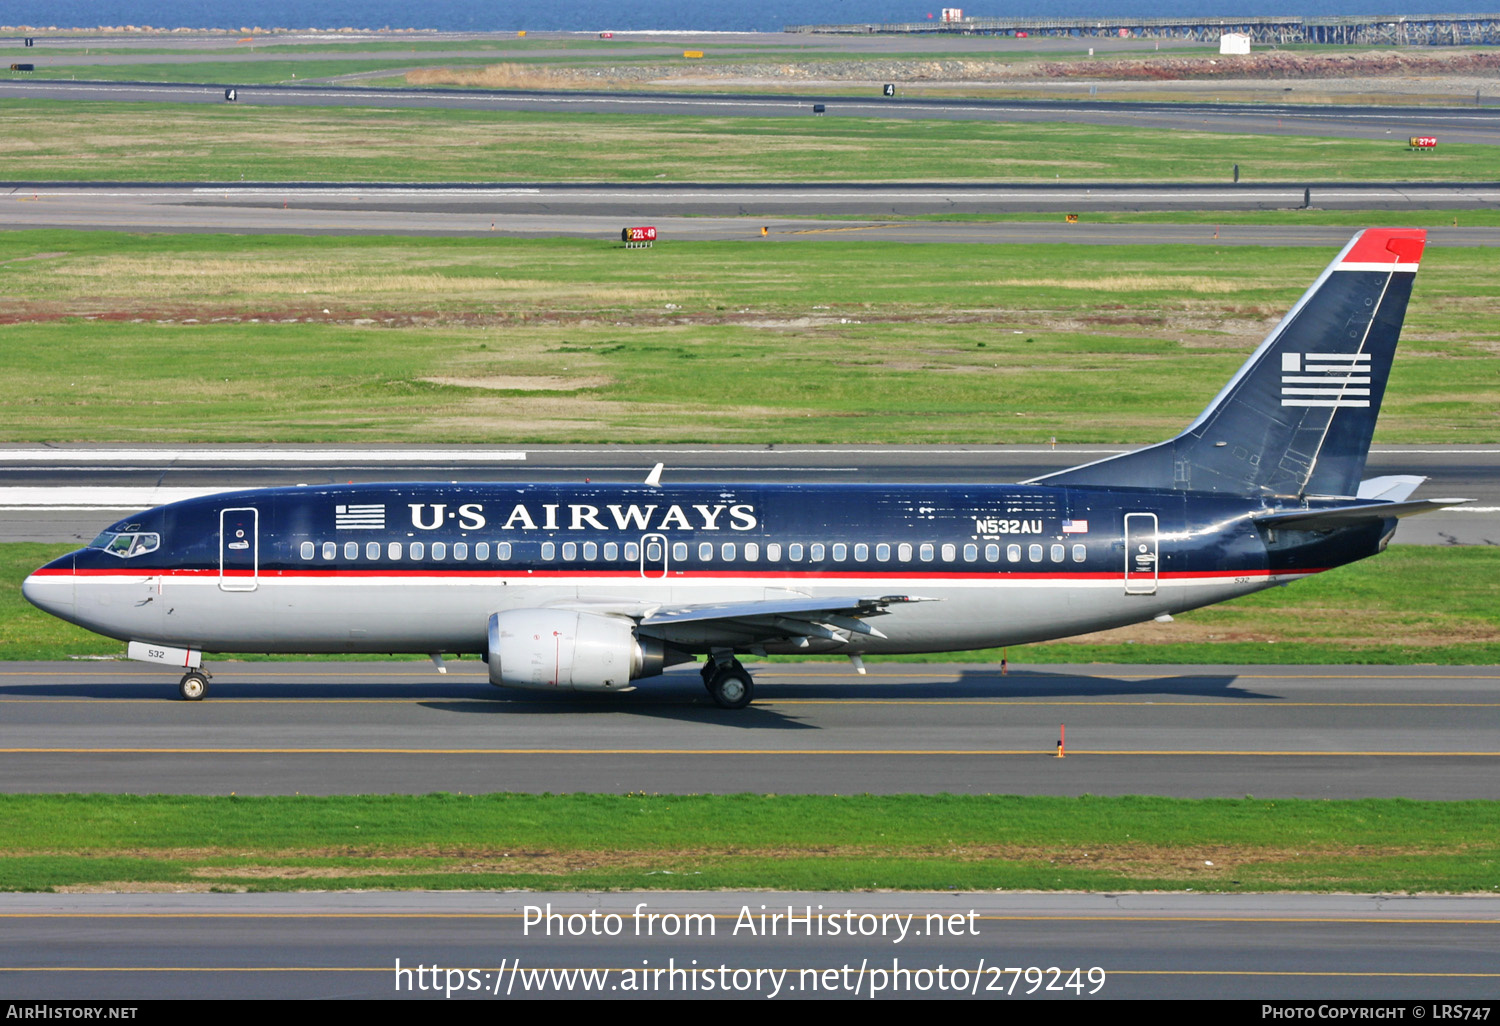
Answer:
(1411, 604)
(1212, 220)
(501, 47)
(699, 842)
(52, 140)
(244, 73)
(505, 341)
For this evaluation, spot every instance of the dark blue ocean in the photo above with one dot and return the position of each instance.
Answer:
(594, 15)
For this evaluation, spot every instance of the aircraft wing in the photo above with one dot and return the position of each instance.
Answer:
(1344, 516)
(835, 618)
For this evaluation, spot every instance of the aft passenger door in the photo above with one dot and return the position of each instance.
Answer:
(1140, 553)
(239, 549)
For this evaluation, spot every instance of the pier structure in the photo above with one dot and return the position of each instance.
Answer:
(1356, 30)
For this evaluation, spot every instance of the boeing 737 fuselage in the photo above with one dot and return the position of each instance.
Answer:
(593, 587)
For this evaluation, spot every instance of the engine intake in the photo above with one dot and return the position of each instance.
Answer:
(560, 648)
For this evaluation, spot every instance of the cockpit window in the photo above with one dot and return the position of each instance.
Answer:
(126, 545)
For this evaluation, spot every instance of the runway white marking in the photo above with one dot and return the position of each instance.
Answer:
(261, 455)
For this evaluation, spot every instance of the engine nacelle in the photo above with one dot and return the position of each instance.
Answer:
(560, 648)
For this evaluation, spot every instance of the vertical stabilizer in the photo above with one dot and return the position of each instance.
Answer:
(1298, 416)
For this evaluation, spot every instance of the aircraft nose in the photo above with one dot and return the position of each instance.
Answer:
(50, 588)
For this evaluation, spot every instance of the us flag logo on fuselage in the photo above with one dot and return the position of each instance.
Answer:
(1325, 379)
(359, 518)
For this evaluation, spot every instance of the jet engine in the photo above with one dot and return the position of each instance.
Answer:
(561, 648)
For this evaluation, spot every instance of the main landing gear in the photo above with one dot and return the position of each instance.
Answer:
(194, 685)
(729, 683)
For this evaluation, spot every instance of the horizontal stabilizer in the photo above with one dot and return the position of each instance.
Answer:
(1346, 516)
(1389, 489)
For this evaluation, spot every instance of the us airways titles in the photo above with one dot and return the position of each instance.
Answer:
(577, 516)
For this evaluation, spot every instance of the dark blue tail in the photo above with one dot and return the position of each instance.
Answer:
(1297, 418)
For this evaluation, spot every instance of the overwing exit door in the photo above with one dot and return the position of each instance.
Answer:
(654, 556)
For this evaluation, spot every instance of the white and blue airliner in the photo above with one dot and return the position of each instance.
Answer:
(594, 587)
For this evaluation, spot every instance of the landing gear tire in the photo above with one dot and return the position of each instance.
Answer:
(194, 686)
(731, 687)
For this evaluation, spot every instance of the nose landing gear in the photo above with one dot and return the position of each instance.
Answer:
(194, 685)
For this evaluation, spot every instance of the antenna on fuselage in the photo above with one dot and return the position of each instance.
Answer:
(654, 478)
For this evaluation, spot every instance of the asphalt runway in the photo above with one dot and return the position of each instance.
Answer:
(1423, 732)
(1476, 124)
(1263, 947)
(70, 493)
(788, 213)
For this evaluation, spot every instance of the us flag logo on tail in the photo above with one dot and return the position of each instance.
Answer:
(359, 518)
(1325, 379)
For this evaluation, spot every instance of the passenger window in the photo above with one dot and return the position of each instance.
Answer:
(794, 552)
(816, 552)
(351, 550)
(679, 551)
(840, 552)
(883, 552)
(372, 550)
(482, 551)
(632, 552)
(440, 550)
(971, 553)
(460, 550)
(502, 550)
(611, 551)
(590, 550)
(330, 550)
(727, 550)
(992, 552)
(1057, 553)
(752, 551)
(393, 550)
(861, 552)
(903, 552)
(949, 552)
(927, 552)
(418, 550)
(1013, 553)
(570, 550)
(705, 551)
(1034, 553)
(309, 550)
(549, 550)
(773, 551)
(1080, 553)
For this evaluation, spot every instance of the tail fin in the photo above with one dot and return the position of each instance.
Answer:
(1297, 417)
